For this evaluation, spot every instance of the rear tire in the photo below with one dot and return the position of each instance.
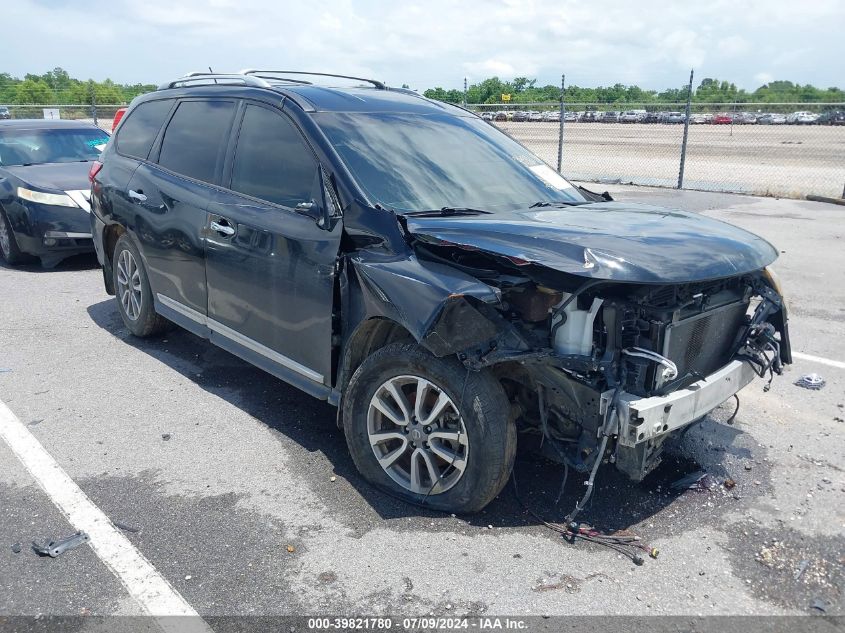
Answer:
(453, 423)
(132, 291)
(9, 250)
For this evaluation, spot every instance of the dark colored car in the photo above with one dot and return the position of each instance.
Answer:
(590, 116)
(4, 113)
(833, 117)
(451, 293)
(610, 117)
(652, 117)
(44, 189)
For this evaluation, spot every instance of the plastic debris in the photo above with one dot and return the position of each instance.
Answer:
(126, 528)
(819, 605)
(55, 548)
(699, 480)
(4, 370)
(802, 567)
(811, 381)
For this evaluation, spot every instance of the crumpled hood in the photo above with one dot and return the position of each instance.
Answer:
(53, 176)
(617, 241)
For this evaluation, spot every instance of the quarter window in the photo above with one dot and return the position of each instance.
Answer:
(272, 161)
(136, 136)
(194, 137)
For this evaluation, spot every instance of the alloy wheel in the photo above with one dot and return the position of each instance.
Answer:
(129, 285)
(417, 435)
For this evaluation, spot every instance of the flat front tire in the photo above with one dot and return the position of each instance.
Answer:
(428, 430)
(132, 291)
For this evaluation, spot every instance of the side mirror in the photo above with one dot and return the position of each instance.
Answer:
(312, 210)
(316, 208)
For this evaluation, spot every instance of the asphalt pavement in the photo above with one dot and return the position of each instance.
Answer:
(240, 493)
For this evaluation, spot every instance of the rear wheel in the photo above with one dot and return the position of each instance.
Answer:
(132, 291)
(9, 250)
(428, 430)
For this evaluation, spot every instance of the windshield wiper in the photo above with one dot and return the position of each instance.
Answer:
(557, 203)
(448, 211)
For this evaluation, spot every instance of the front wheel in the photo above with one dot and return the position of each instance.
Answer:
(427, 430)
(9, 251)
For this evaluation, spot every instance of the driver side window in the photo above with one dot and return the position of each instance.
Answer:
(272, 161)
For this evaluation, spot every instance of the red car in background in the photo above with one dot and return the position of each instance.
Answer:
(723, 118)
(117, 117)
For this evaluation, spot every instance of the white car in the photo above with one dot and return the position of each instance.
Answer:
(802, 118)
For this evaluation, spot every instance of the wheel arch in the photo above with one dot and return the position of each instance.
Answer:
(111, 234)
(369, 336)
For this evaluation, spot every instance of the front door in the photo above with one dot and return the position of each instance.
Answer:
(270, 269)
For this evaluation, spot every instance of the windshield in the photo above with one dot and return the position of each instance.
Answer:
(30, 147)
(412, 162)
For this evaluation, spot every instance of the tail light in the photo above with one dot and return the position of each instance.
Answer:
(117, 117)
(96, 166)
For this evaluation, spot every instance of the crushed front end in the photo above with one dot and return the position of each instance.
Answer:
(601, 370)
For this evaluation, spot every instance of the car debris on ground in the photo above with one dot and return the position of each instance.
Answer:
(699, 480)
(56, 548)
(811, 381)
(125, 527)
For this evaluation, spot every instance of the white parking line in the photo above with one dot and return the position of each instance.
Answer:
(819, 359)
(143, 582)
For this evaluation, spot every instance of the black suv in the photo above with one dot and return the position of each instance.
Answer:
(415, 266)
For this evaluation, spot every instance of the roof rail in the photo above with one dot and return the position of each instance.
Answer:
(252, 72)
(247, 80)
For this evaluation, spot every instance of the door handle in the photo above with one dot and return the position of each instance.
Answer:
(224, 229)
(137, 195)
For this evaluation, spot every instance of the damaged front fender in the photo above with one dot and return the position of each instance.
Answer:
(441, 307)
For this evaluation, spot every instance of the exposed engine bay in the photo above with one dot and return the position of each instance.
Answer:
(601, 368)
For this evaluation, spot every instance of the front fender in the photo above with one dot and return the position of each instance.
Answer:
(434, 302)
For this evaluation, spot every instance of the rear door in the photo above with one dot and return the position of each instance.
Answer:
(270, 269)
(170, 194)
(128, 149)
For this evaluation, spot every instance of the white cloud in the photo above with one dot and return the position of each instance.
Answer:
(437, 42)
(733, 46)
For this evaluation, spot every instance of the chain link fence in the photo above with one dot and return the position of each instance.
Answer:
(775, 149)
(101, 115)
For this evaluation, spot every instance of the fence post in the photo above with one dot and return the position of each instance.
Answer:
(686, 133)
(465, 92)
(94, 108)
(560, 133)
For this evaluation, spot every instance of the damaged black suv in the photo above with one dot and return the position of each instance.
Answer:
(411, 264)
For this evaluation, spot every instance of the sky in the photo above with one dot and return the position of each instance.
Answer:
(434, 43)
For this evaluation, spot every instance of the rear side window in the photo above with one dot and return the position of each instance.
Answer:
(140, 129)
(272, 161)
(194, 137)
